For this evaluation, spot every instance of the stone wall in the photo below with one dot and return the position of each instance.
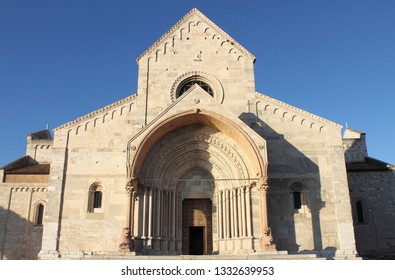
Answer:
(20, 235)
(26, 178)
(372, 192)
(304, 149)
(39, 146)
(93, 151)
(375, 190)
(354, 144)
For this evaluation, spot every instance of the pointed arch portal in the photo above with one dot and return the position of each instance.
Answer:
(195, 173)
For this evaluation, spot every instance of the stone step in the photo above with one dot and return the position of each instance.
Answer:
(257, 256)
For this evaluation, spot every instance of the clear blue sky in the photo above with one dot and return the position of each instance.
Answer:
(60, 59)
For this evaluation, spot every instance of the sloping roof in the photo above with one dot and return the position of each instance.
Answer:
(369, 164)
(41, 135)
(20, 162)
(354, 130)
(26, 165)
(100, 111)
(32, 169)
(286, 107)
(350, 133)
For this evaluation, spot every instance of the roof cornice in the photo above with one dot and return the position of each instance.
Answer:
(183, 20)
(97, 112)
(296, 110)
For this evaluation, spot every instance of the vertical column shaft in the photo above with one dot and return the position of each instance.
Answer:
(263, 211)
(225, 232)
(173, 216)
(145, 214)
(219, 215)
(239, 213)
(150, 213)
(169, 208)
(231, 208)
(157, 219)
(227, 201)
(266, 233)
(248, 210)
(235, 220)
(243, 211)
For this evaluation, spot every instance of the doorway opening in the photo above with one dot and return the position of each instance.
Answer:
(197, 233)
(196, 240)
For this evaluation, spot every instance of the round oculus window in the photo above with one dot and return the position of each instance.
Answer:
(188, 84)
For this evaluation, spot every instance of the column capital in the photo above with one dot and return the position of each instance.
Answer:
(263, 184)
(131, 185)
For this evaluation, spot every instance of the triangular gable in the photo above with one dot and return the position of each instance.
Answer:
(184, 24)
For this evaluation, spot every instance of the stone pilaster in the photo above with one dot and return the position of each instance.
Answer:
(127, 235)
(54, 207)
(266, 239)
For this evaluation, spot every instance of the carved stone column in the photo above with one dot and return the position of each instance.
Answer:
(266, 239)
(157, 215)
(173, 216)
(243, 212)
(224, 215)
(157, 219)
(127, 242)
(145, 213)
(219, 214)
(150, 216)
(248, 210)
(239, 214)
(231, 210)
(235, 220)
(227, 214)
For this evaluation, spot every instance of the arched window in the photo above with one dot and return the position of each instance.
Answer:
(297, 200)
(297, 191)
(360, 212)
(39, 214)
(188, 83)
(95, 198)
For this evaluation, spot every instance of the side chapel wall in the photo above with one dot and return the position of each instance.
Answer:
(306, 149)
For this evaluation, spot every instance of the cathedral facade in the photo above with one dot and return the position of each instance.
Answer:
(197, 162)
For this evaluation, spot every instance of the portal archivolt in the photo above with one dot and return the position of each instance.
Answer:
(194, 161)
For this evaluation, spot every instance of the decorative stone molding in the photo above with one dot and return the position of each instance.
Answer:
(28, 189)
(185, 26)
(223, 153)
(208, 78)
(305, 119)
(101, 114)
